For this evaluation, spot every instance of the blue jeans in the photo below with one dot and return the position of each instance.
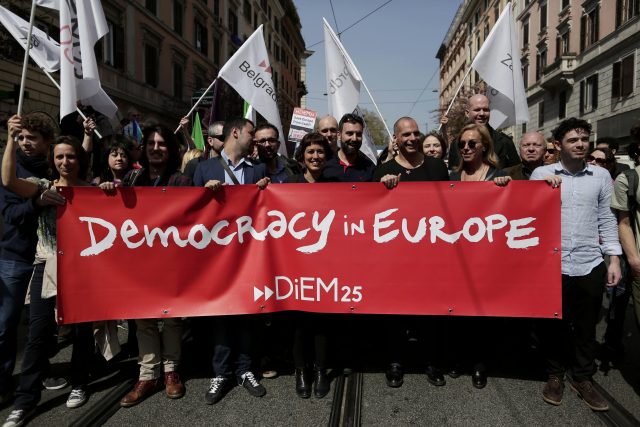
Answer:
(14, 281)
(232, 336)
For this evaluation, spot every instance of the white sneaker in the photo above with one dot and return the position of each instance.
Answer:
(77, 398)
(17, 417)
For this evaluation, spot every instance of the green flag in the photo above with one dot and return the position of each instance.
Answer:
(196, 133)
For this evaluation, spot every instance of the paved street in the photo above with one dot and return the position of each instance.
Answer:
(512, 397)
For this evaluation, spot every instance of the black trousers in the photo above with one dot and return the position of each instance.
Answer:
(428, 330)
(35, 362)
(310, 339)
(571, 342)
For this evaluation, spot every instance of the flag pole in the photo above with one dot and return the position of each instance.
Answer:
(456, 95)
(377, 109)
(197, 102)
(56, 84)
(23, 79)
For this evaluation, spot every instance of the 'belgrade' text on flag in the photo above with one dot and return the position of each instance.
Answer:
(249, 73)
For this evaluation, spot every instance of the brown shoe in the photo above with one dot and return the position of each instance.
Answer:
(173, 386)
(589, 394)
(141, 391)
(552, 391)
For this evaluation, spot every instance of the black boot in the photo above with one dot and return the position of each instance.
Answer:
(322, 383)
(303, 387)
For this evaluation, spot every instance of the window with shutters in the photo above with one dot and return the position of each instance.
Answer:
(178, 80)
(622, 77)
(541, 114)
(110, 49)
(200, 37)
(178, 16)
(562, 105)
(626, 10)
(589, 27)
(589, 94)
(151, 65)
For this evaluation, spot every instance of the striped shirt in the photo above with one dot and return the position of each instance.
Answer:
(589, 228)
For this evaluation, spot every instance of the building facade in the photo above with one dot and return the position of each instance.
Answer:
(579, 59)
(159, 55)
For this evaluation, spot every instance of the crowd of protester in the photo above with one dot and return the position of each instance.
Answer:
(238, 152)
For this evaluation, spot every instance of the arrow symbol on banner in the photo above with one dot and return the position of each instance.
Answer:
(258, 293)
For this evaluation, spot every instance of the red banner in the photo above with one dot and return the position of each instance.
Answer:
(471, 249)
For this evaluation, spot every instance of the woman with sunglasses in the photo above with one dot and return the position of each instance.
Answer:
(603, 157)
(478, 160)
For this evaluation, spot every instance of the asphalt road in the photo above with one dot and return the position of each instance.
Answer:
(512, 397)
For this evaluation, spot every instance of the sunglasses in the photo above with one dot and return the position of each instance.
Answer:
(551, 150)
(265, 141)
(217, 136)
(597, 160)
(472, 144)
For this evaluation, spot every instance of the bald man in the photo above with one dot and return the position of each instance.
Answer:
(328, 127)
(478, 112)
(532, 151)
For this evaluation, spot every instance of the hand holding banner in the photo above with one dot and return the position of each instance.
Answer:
(473, 249)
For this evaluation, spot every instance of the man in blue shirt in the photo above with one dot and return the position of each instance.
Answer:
(588, 233)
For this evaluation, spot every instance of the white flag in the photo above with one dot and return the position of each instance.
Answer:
(51, 4)
(343, 85)
(498, 63)
(249, 73)
(82, 24)
(44, 50)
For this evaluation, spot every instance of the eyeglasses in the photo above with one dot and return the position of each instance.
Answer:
(265, 141)
(551, 150)
(597, 160)
(472, 144)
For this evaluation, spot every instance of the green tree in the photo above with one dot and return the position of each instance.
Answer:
(376, 128)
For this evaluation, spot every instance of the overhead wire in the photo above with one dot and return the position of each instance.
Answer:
(355, 23)
(423, 90)
(335, 21)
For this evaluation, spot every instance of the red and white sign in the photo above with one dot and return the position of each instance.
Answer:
(302, 122)
(470, 249)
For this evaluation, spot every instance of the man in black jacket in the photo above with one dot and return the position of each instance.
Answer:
(18, 243)
(478, 112)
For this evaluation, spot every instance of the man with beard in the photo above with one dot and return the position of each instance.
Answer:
(478, 112)
(278, 168)
(350, 165)
(532, 152)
